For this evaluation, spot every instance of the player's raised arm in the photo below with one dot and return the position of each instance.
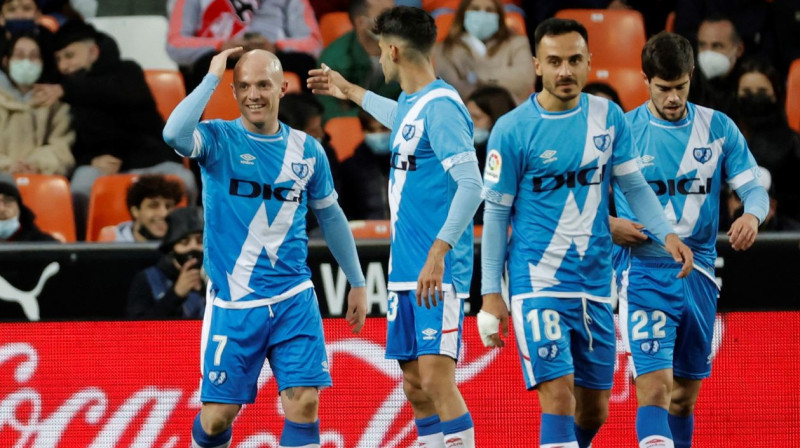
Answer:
(325, 81)
(179, 129)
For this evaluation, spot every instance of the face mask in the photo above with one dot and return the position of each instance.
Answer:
(758, 109)
(16, 26)
(480, 135)
(481, 24)
(24, 72)
(713, 64)
(191, 255)
(378, 143)
(8, 227)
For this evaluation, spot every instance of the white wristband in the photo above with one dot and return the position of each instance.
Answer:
(488, 325)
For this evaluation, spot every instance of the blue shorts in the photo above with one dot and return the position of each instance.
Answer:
(236, 342)
(413, 330)
(667, 323)
(562, 336)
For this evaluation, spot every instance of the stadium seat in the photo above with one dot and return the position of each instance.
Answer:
(167, 88)
(294, 82)
(371, 229)
(628, 82)
(49, 22)
(334, 25)
(443, 23)
(516, 23)
(107, 205)
(616, 37)
(793, 96)
(670, 25)
(346, 135)
(49, 197)
(140, 38)
(222, 103)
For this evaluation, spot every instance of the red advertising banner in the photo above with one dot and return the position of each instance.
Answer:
(135, 384)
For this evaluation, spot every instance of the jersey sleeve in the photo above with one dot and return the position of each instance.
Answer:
(624, 153)
(504, 164)
(738, 163)
(321, 193)
(450, 132)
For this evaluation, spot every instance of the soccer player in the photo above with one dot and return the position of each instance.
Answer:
(434, 190)
(260, 177)
(686, 151)
(548, 170)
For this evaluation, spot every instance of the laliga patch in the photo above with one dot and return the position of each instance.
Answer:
(548, 352)
(494, 164)
(217, 377)
(650, 347)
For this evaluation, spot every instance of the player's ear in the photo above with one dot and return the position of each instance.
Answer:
(537, 66)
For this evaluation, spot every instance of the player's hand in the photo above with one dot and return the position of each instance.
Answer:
(189, 279)
(743, 231)
(356, 309)
(681, 253)
(325, 81)
(220, 62)
(493, 313)
(625, 232)
(429, 283)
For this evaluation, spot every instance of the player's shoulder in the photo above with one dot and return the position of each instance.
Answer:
(718, 122)
(441, 93)
(300, 141)
(518, 117)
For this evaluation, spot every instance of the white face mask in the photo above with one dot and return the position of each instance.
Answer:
(481, 24)
(24, 72)
(713, 64)
(8, 227)
(480, 135)
(378, 143)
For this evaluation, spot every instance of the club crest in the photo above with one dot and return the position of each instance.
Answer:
(408, 131)
(300, 169)
(702, 155)
(602, 142)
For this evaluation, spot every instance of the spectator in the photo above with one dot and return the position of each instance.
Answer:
(174, 286)
(719, 48)
(16, 220)
(355, 55)
(33, 139)
(481, 50)
(20, 16)
(322, 7)
(198, 29)
(365, 175)
(786, 23)
(776, 220)
(762, 119)
(603, 90)
(118, 127)
(150, 200)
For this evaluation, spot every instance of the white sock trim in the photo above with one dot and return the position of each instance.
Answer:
(431, 441)
(656, 441)
(461, 439)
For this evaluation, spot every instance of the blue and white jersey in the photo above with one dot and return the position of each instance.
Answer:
(256, 192)
(685, 163)
(432, 132)
(554, 170)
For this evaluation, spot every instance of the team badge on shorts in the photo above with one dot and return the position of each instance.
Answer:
(548, 352)
(602, 142)
(217, 377)
(650, 346)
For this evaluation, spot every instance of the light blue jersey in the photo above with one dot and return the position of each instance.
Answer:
(554, 170)
(432, 132)
(685, 163)
(256, 192)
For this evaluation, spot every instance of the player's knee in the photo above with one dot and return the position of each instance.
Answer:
(682, 405)
(556, 393)
(414, 392)
(301, 404)
(655, 394)
(216, 418)
(435, 386)
(591, 418)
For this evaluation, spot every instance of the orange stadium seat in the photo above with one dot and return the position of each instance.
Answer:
(670, 25)
(346, 135)
(222, 103)
(49, 197)
(371, 229)
(616, 36)
(107, 205)
(516, 23)
(628, 82)
(294, 82)
(443, 23)
(334, 25)
(793, 96)
(167, 88)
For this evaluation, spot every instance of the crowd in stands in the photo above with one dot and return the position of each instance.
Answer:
(72, 107)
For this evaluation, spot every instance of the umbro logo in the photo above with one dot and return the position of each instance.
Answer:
(429, 333)
(247, 159)
(647, 160)
(549, 156)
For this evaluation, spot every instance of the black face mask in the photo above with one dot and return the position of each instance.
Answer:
(16, 26)
(758, 109)
(191, 255)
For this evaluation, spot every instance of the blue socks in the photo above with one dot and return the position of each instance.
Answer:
(682, 429)
(459, 431)
(652, 428)
(584, 436)
(299, 434)
(557, 429)
(221, 440)
(429, 432)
